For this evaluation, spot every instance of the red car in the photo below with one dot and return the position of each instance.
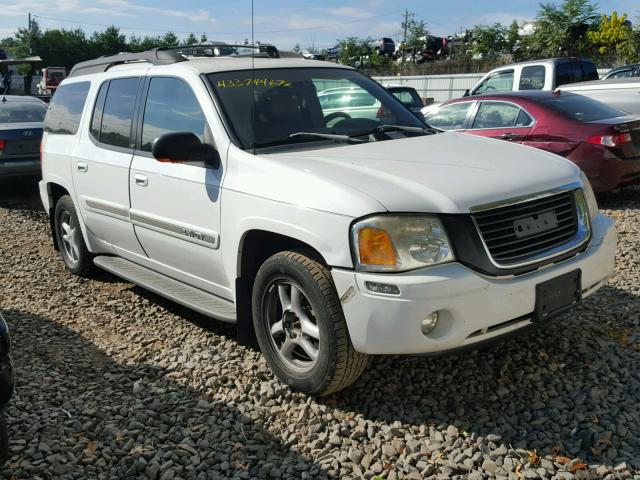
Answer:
(602, 141)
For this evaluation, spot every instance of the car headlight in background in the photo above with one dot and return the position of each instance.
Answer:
(388, 243)
(590, 197)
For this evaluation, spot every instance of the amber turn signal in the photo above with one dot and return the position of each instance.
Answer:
(375, 247)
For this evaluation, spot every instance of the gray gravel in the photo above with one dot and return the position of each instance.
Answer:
(114, 382)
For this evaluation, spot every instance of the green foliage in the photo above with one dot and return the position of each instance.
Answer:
(562, 30)
(352, 49)
(489, 41)
(614, 38)
(416, 33)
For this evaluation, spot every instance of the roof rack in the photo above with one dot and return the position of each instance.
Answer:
(171, 55)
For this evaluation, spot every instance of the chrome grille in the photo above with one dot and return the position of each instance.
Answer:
(497, 228)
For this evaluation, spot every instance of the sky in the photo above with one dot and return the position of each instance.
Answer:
(281, 22)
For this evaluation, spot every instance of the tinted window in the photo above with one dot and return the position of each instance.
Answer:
(408, 97)
(450, 117)
(622, 74)
(579, 107)
(499, 81)
(21, 112)
(118, 112)
(589, 72)
(96, 120)
(65, 109)
(532, 78)
(171, 107)
(563, 74)
(500, 115)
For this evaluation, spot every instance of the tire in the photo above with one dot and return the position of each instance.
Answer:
(296, 314)
(4, 440)
(73, 250)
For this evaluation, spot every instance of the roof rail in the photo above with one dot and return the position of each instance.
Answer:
(156, 56)
(170, 55)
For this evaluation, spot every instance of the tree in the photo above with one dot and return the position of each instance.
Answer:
(562, 30)
(203, 38)
(169, 39)
(512, 37)
(353, 49)
(489, 41)
(109, 42)
(191, 40)
(613, 39)
(416, 33)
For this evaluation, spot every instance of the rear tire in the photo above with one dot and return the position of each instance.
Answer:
(73, 250)
(301, 327)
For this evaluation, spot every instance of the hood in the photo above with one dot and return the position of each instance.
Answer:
(444, 173)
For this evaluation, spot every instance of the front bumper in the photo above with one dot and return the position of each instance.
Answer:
(20, 167)
(473, 308)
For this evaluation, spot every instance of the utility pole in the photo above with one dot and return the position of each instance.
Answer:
(404, 41)
(29, 30)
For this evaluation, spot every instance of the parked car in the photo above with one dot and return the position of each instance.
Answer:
(221, 184)
(546, 74)
(602, 141)
(51, 78)
(341, 103)
(21, 122)
(620, 93)
(6, 387)
(408, 96)
(311, 55)
(625, 71)
(383, 46)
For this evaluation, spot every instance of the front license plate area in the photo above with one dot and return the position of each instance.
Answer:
(557, 295)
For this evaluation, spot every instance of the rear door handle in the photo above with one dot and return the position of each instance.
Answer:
(509, 136)
(82, 167)
(141, 180)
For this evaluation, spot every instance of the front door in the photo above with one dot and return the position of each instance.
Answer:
(175, 207)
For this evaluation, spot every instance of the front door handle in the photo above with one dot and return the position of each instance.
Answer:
(82, 167)
(141, 180)
(509, 136)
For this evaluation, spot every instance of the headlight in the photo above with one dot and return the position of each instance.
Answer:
(592, 203)
(399, 243)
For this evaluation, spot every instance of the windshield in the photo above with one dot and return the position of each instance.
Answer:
(22, 112)
(408, 96)
(264, 106)
(584, 109)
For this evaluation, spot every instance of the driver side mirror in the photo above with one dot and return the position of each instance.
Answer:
(178, 147)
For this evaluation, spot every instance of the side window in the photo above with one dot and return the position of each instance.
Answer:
(450, 117)
(563, 74)
(118, 112)
(96, 119)
(622, 74)
(499, 81)
(65, 110)
(532, 78)
(171, 106)
(500, 115)
(589, 71)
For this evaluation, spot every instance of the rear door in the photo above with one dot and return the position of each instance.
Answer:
(175, 207)
(501, 120)
(100, 167)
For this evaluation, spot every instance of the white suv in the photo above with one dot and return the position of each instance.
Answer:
(217, 182)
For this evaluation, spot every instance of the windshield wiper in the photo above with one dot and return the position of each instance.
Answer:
(405, 128)
(295, 138)
(328, 136)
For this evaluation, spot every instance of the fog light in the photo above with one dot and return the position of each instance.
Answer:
(383, 288)
(429, 323)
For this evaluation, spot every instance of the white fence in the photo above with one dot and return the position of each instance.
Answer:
(441, 87)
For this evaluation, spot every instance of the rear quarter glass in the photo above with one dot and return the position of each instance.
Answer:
(65, 109)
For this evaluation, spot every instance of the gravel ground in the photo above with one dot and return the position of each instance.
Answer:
(114, 382)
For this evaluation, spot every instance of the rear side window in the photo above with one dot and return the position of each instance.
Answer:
(171, 107)
(622, 74)
(65, 109)
(117, 114)
(532, 78)
(408, 97)
(450, 117)
(563, 74)
(589, 71)
(498, 82)
(584, 109)
(96, 119)
(500, 115)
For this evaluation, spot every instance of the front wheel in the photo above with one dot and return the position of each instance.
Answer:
(301, 327)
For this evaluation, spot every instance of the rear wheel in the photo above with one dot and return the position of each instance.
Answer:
(73, 250)
(301, 327)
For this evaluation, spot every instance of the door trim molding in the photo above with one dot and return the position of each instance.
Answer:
(183, 231)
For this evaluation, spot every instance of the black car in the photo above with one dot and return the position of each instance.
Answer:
(626, 71)
(6, 386)
(21, 123)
